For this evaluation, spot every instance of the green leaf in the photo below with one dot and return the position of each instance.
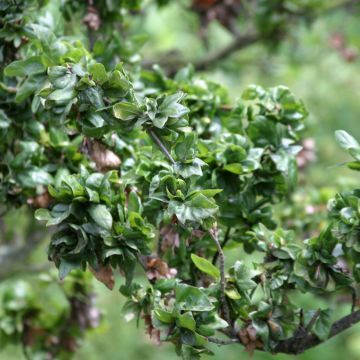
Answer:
(58, 137)
(206, 266)
(59, 213)
(18, 296)
(243, 276)
(235, 168)
(72, 181)
(98, 72)
(118, 85)
(62, 95)
(32, 65)
(126, 111)
(42, 214)
(34, 177)
(28, 87)
(65, 267)
(190, 298)
(253, 92)
(102, 216)
(134, 202)
(322, 325)
(189, 169)
(170, 106)
(164, 316)
(185, 149)
(345, 140)
(262, 329)
(197, 209)
(186, 321)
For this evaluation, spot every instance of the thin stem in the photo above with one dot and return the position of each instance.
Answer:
(240, 42)
(26, 352)
(260, 203)
(313, 320)
(142, 262)
(172, 65)
(225, 308)
(223, 342)
(353, 299)
(161, 146)
(226, 239)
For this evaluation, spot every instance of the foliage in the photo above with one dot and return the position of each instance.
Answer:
(52, 324)
(135, 167)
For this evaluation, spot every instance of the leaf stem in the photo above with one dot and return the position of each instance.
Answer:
(160, 144)
(214, 235)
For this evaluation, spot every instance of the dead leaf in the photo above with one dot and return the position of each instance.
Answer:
(105, 275)
(153, 333)
(159, 269)
(92, 19)
(40, 201)
(249, 339)
(170, 238)
(104, 158)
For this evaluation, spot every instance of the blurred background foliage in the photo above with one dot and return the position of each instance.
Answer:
(320, 64)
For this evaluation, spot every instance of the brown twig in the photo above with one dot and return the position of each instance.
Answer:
(226, 239)
(172, 65)
(240, 42)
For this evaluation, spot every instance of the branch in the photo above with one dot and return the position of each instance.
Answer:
(213, 234)
(226, 239)
(298, 344)
(161, 146)
(302, 340)
(240, 42)
(173, 64)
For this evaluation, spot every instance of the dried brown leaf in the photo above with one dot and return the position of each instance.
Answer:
(104, 158)
(105, 275)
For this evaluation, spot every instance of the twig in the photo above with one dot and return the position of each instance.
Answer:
(260, 203)
(226, 239)
(240, 42)
(142, 261)
(353, 299)
(214, 236)
(161, 146)
(223, 342)
(312, 320)
(25, 352)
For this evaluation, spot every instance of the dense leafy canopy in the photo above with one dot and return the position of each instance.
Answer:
(134, 167)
